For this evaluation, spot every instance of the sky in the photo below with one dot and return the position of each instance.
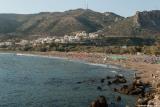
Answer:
(121, 7)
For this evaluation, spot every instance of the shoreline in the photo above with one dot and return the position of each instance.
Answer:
(146, 71)
(82, 81)
(65, 58)
(142, 69)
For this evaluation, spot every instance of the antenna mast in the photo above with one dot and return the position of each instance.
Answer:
(87, 4)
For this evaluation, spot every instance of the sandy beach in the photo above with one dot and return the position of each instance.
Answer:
(147, 70)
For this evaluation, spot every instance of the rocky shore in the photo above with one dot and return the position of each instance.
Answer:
(147, 74)
(137, 88)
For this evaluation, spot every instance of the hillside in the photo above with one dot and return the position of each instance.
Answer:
(56, 23)
(145, 23)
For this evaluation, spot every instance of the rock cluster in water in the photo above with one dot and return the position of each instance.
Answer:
(137, 87)
(99, 102)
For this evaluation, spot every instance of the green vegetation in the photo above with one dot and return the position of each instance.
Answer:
(151, 50)
(112, 45)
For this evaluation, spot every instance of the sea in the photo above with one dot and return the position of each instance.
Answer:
(36, 81)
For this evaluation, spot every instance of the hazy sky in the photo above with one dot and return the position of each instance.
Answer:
(121, 7)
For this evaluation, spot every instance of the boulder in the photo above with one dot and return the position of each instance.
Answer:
(119, 80)
(115, 89)
(142, 101)
(108, 77)
(99, 88)
(132, 89)
(102, 80)
(103, 102)
(118, 98)
(99, 102)
(136, 91)
(95, 104)
(109, 83)
(150, 103)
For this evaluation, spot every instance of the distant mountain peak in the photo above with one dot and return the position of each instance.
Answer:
(142, 24)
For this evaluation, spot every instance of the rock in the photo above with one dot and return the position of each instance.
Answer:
(136, 91)
(108, 77)
(150, 103)
(79, 82)
(139, 101)
(148, 19)
(109, 83)
(118, 99)
(125, 86)
(139, 83)
(136, 88)
(158, 85)
(133, 89)
(115, 89)
(124, 89)
(99, 102)
(119, 80)
(137, 77)
(102, 80)
(103, 102)
(120, 76)
(142, 101)
(95, 104)
(99, 88)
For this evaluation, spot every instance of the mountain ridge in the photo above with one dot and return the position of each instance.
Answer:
(61, 23)
(142, 23)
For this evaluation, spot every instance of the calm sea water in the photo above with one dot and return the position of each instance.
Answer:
(31, 81)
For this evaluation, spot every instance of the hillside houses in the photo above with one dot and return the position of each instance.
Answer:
(77, 37)
(23, 42)
(74, 38)
(93, 35)
(2, 44)
(45, 40)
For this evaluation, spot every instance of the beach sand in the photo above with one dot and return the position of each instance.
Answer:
(147, 71)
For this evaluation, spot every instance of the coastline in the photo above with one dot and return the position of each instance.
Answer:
(146, 71)
(39, 54)
(133, 62)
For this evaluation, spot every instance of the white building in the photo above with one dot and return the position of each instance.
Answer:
(72, 39)
(93, 35)
(66, 38)
(78, 38)
(45, 40)
(5, 43)
(23, 42)
(83, 35)
(57, 40)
